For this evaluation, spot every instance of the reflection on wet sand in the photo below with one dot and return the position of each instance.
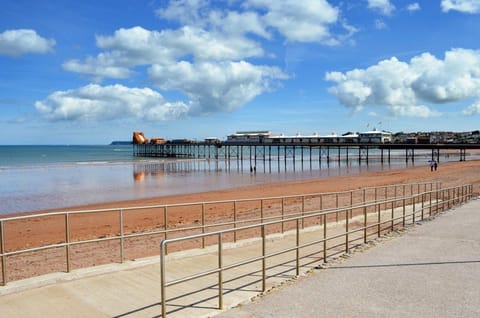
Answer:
(160, 169)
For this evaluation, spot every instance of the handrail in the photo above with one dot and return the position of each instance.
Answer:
(205, 225)
(456, 195)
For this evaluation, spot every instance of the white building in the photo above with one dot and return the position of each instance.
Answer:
(375, 136)
(252, 136)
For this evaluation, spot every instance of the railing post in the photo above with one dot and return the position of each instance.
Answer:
(121, 237)
(4, 258)
(411, 191)
(297, 250)
(448, 198)
(220, 272)
(336, 206)
(264, 260)
(385, 197)
(364, 217)
(163, 296)
(413, 206)
(283, 214)
(379, 218)
(404, 207)
(443, 200)
(351, 204)
(165, 225)
(325, 237)
(451, 198)
(365, 224)
(393, 212)
(430, 197)
(423, 199)
(203, 225)
(261, 210)
(437, 198)
(346, 232)
(235, 221)
(303, 209)
(395, 195)
(321, 207)
(67, 241)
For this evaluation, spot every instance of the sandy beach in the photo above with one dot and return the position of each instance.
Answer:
(40, 231)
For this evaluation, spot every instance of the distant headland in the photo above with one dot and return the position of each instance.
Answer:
(120, 143)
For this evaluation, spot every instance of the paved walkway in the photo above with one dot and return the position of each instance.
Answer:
(433, 270)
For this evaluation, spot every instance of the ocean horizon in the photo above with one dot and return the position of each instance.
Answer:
(34, 178)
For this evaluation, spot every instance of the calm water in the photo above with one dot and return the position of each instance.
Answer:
(35, 178)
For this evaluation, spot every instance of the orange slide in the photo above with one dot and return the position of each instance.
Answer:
(139, 138)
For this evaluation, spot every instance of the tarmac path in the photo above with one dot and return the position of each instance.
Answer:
(432, 270)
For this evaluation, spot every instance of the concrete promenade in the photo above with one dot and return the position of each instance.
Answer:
(430, 270)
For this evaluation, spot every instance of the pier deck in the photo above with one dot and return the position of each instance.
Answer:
(304, 151)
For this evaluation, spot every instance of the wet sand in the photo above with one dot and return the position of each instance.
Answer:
(41, 231)
(450, 174)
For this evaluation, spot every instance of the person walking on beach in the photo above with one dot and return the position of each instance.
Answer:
(435, 165)
(431, 165)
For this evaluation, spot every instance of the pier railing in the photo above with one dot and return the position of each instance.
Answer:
(92, 237)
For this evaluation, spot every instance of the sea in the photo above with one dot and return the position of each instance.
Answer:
(36, 178)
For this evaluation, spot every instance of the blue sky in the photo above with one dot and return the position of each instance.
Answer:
(89, 72)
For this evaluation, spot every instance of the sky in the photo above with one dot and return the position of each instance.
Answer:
(90, 72)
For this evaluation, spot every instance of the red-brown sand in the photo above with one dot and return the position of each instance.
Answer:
(50, 230)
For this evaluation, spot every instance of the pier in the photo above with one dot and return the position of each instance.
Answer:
(307, 152)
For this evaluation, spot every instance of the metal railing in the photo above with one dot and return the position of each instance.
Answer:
(166, 223)
(371, 218)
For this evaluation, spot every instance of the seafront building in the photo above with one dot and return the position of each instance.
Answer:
(265, 136)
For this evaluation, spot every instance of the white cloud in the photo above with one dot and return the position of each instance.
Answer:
(103, 66)
(473, 109)
(465, 6)
(198, 13)
(137, 46)
(296, 21)
(212, 34)
(216, 87)
(23, 41)
(383, 6)
(413, 7)
(456, 77)
(238, 23)
(299, 21)
(191, 12)
(210, 87)
(210, 57)
(419, 111)
(380, 24)
(98, 103)
(401, 86)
